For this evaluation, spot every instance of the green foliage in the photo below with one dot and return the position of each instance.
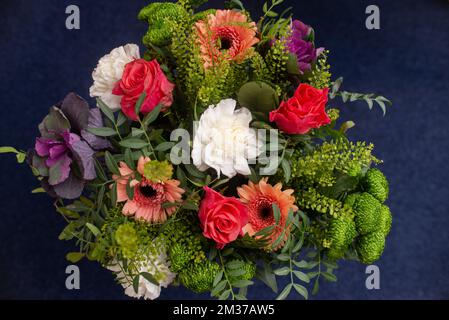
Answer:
(199, 277)
(320, 76)
(162, 18)
(259, 97)
(313, 200)
(366, 209)
(370, 247)
(20, 155)
(346, 96)
(385, 220)
(320, 167)
(276, 62)
(376, 184)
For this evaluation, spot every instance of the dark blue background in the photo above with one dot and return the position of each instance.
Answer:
(407, 61)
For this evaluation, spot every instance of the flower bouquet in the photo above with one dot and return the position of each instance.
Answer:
(213, 159)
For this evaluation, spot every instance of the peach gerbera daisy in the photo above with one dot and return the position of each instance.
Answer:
(259, 198)
(149, 196)
(227, 34)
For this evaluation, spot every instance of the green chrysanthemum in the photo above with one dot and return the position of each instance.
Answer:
(385, 220)
(126, 238)
(366, 209)
(370, 247)
(158, 171)
(376, 184)
(340, 234)
(162, 18)
(199, 277)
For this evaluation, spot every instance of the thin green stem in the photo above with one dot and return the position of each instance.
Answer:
(226, 275)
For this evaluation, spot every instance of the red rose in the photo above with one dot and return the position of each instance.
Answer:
(143, 76)
(304, 111)
(222, 218)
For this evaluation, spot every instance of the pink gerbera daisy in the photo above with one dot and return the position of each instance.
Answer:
(227, 34)
(259, 199)
(149, 196)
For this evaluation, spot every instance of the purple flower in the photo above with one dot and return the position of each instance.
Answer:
(64, 154)
(299, 44)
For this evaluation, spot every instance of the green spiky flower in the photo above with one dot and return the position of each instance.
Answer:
(179, 257)
(162, 18)
(385, 220)
(199, 277)
(370, 247)
(126, 238)
(158, 171)
(376, 184)
(366, 209)
(340, 234)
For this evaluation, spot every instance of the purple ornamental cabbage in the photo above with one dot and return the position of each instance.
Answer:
(299, 44)
(64, 154)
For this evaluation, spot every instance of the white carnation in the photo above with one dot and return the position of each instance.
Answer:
(157, 266)
(110, 70)
(224, 141)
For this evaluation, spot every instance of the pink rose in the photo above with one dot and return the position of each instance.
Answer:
(143, 76)
(222, 218)
(304, 111)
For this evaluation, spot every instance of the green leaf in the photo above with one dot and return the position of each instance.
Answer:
(102, 132)
(38, 190)
(187, 205)
(21, 157)
(316, 287)
(74, 257)
(259, 97)
(301, 276)
(329, 276)
(236, 272)
(8, 150)
(68, 213)
(121, 119)
(242, 283)
(93, 229)
(218, 288)
(106, 110)
(301, 264)
(234, 264)
(164, 146)
(193, 171)
(139, 103)
(285, 292)
(136, 283)
(133, 143)
(283, 257)
(276, 213)
(129, 190)
(301, 290)
(218, 278)
(150, 278)
(152, 116)
(99, 170)
(282, 271)
(111, 163)
(287, 169)
(114, 194)
(129, 159)
(224, 295)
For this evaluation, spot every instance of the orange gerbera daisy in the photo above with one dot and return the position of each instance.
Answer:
(259, 198)
(149, 196)
(227, 34)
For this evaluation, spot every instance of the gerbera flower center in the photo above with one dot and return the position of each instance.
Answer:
(225, 43)
(148, 191)
(265, 211)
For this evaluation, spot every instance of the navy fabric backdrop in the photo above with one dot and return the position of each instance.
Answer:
(407, 61)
